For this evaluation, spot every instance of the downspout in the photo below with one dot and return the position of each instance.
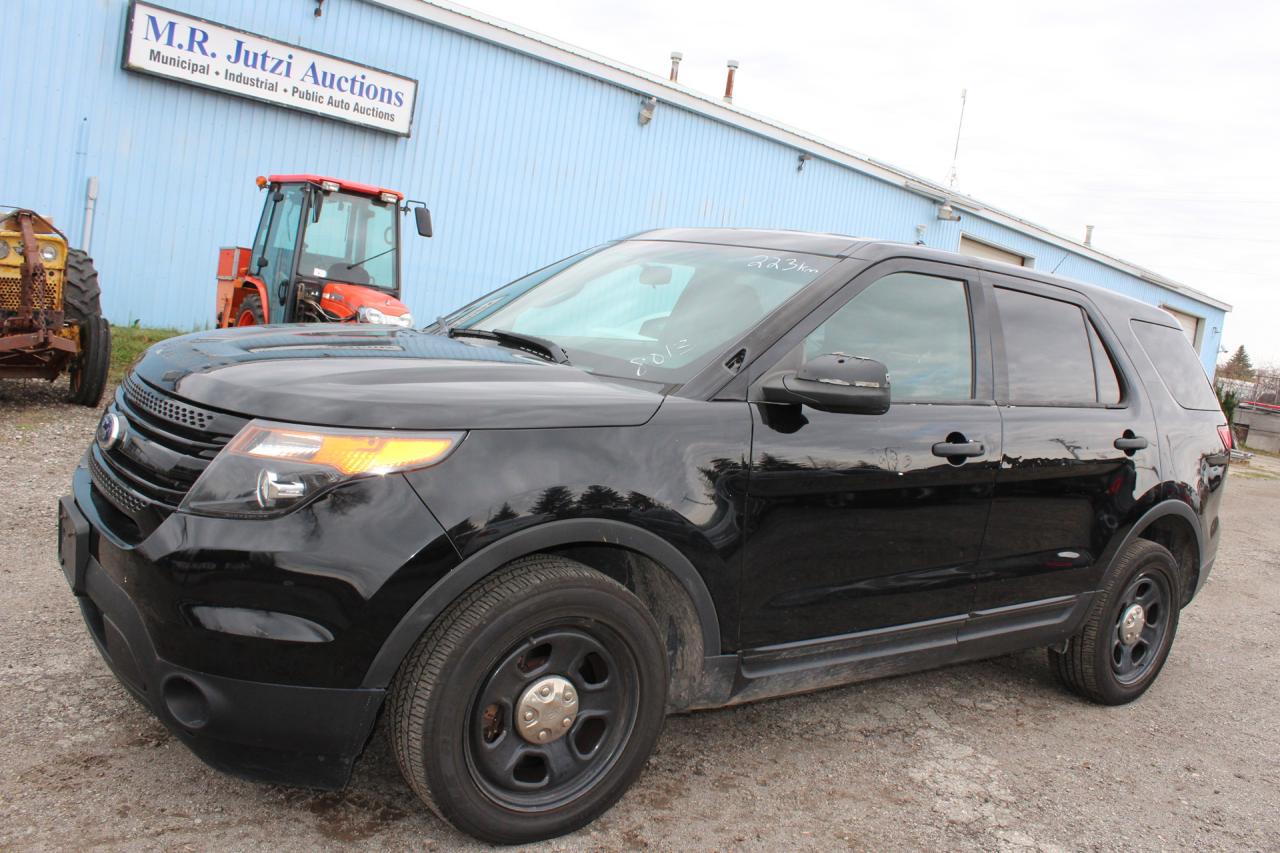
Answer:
(90, 202)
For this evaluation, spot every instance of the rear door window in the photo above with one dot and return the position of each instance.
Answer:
(1104, 370)
(1177, 364)
(1047, 350)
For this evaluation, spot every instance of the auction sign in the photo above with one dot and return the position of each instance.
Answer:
(197, 52)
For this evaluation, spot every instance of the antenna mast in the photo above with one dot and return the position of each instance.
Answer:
(955, 154)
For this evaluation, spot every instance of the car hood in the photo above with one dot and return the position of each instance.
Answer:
(383, 377)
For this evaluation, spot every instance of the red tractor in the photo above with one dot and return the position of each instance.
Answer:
(326, 250)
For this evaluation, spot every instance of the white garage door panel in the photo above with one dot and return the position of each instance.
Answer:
(1190, 324)
(975, 249)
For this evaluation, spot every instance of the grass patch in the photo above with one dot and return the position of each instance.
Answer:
(129, 342)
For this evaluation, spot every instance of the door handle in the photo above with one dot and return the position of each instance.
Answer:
(948, 449)
(1130, 442)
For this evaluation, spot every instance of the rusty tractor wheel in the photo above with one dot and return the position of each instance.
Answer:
(89, 369)
(80, 295)
(250, 312)
(81, 304)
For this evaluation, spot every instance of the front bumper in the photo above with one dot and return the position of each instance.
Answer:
(268, 732)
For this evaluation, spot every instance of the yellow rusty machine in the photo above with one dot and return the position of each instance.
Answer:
(50, 318)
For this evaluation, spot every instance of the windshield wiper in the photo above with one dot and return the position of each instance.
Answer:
(370, 258)
(541, 347)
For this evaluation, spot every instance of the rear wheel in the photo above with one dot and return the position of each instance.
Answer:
(81, 305)
(81, 296)
(250, 312)
(1126, 638)
(532, 704)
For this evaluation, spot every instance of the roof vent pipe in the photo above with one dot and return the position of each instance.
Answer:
(728, 83)
(1088, 235)
(676, 56)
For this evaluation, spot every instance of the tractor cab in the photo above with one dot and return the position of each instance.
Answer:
(326, 250)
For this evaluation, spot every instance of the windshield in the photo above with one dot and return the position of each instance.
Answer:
(655, 311)
(351, 228)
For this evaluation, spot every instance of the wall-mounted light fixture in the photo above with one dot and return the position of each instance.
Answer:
(920, 229)
(804, 157)
(647, 106)
(947, 213)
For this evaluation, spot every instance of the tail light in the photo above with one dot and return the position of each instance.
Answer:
(1224, 433)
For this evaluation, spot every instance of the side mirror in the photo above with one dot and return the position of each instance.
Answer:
(422, 217)
(834, 382)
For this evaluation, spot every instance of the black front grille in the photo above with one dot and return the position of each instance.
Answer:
(123, 498)
(165, 445)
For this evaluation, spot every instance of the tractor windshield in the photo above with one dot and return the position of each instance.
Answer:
(353, 241)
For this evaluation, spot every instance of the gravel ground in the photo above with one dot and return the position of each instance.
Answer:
(986, 756)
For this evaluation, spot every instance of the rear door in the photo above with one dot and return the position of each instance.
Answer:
(1080, 447)
(858, 522)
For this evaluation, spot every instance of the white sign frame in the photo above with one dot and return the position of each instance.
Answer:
(199, 52)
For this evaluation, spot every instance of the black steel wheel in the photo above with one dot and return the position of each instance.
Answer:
(1122, 646)
(531, 705)
(1141, 623)
(531, 748)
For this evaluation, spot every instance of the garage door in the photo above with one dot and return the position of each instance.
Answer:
(1190, 325)
(975, 249)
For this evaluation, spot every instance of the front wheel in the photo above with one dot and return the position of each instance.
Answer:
(1127, 635)
(250, 312)
(531, 705)
(90, 367)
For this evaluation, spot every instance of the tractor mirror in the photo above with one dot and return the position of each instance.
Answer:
(422, 217)
(262, 261)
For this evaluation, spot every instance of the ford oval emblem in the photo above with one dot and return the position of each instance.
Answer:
(110, 429)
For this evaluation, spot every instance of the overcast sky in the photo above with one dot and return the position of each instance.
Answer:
(1156, 122)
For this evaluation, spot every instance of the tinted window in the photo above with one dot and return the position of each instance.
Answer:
(1103, 368)
(1176, 362)
(1046, 348)
(918, 325)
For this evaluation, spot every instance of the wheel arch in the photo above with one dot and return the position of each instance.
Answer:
(1176, 526)
(242, 290)
(652, 568)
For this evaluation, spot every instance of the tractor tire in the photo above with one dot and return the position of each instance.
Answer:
(90, 367)
(82, 305)
(80, 294)
(250, 312)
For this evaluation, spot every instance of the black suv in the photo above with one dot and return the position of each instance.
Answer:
(668, 473)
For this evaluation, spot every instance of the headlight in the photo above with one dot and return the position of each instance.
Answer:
(373, 315)
(271, 468)
(4, 250)
(48, 252)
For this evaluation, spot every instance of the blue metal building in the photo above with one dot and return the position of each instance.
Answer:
(526, 150)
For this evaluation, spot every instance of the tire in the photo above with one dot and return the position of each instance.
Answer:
(456, 699)
(81, 296)
(1102, 662)
(250, 312)
(89, 369)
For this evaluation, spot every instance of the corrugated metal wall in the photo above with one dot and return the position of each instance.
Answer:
(521, 161)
